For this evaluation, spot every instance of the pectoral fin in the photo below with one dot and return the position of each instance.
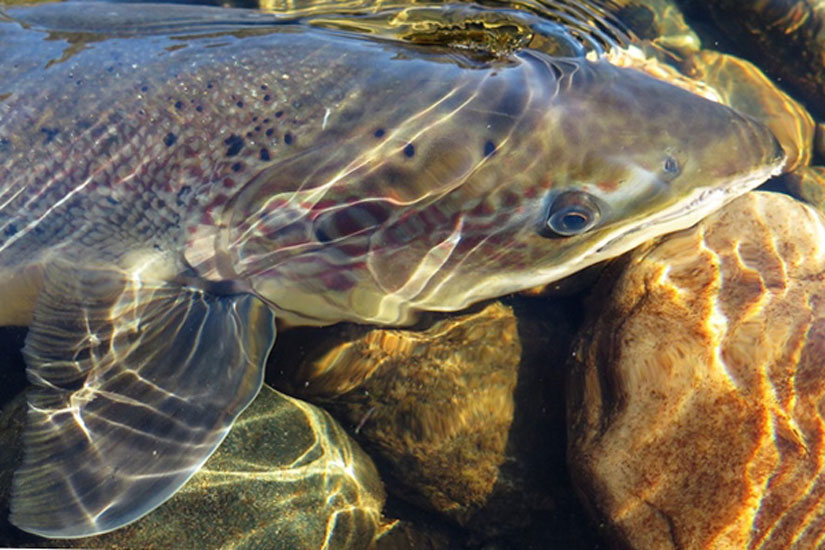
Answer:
(136, 384)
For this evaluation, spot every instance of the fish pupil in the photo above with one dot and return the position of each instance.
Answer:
(575, 221)
(571, 221)
(572, 213)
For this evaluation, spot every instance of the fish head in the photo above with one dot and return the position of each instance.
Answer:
(620, 158)
(582, 162)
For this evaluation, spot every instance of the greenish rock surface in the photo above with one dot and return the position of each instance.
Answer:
(286, 477)
(450, 411)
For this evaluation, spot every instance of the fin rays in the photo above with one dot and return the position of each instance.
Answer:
(136, 385)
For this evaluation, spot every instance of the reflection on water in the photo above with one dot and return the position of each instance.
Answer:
(456, 411)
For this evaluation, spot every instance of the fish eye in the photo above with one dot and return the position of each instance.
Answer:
(671, 166)
(572, 213)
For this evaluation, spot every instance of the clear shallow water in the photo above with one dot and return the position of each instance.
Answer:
(541, 536)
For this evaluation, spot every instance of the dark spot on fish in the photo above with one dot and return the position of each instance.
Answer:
(183, 192)
(255, 118)
(11, 230)
(144, 88)
(409, 150)
(199, 108)
(379, 133)
(279, 114)
(240, 104)
(265, 121)
(264, 155)
(270, 131)
(110, 68)
(489, 148)
(264, 87)
(249, 134)
(209, 86)
(112, 201)
(234, 144)
(288, 138)
(5, 145)
(267, 97)
(50, 134)
(179, 105)
(257, 128)
(170, 139)
(237, 167)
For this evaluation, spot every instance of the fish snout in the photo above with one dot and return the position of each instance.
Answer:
(761, 147)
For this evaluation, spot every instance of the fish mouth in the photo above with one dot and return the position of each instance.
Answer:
(685, 213)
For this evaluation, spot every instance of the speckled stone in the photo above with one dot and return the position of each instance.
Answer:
(451, 412)
(286, 477)
(697, 393)
(438, 409)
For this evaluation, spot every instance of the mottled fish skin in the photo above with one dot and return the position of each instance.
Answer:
(333, 177)
(227, 153)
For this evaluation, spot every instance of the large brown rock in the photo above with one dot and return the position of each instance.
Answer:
(696, 404)
(463, 415)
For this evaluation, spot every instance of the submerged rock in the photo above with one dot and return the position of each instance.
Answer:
(436, 404)
(451, 412)
(785, 37)
(808, 184)
(696, 398)
(287, 476)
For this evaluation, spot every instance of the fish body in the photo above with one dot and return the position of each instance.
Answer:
(169, 190)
